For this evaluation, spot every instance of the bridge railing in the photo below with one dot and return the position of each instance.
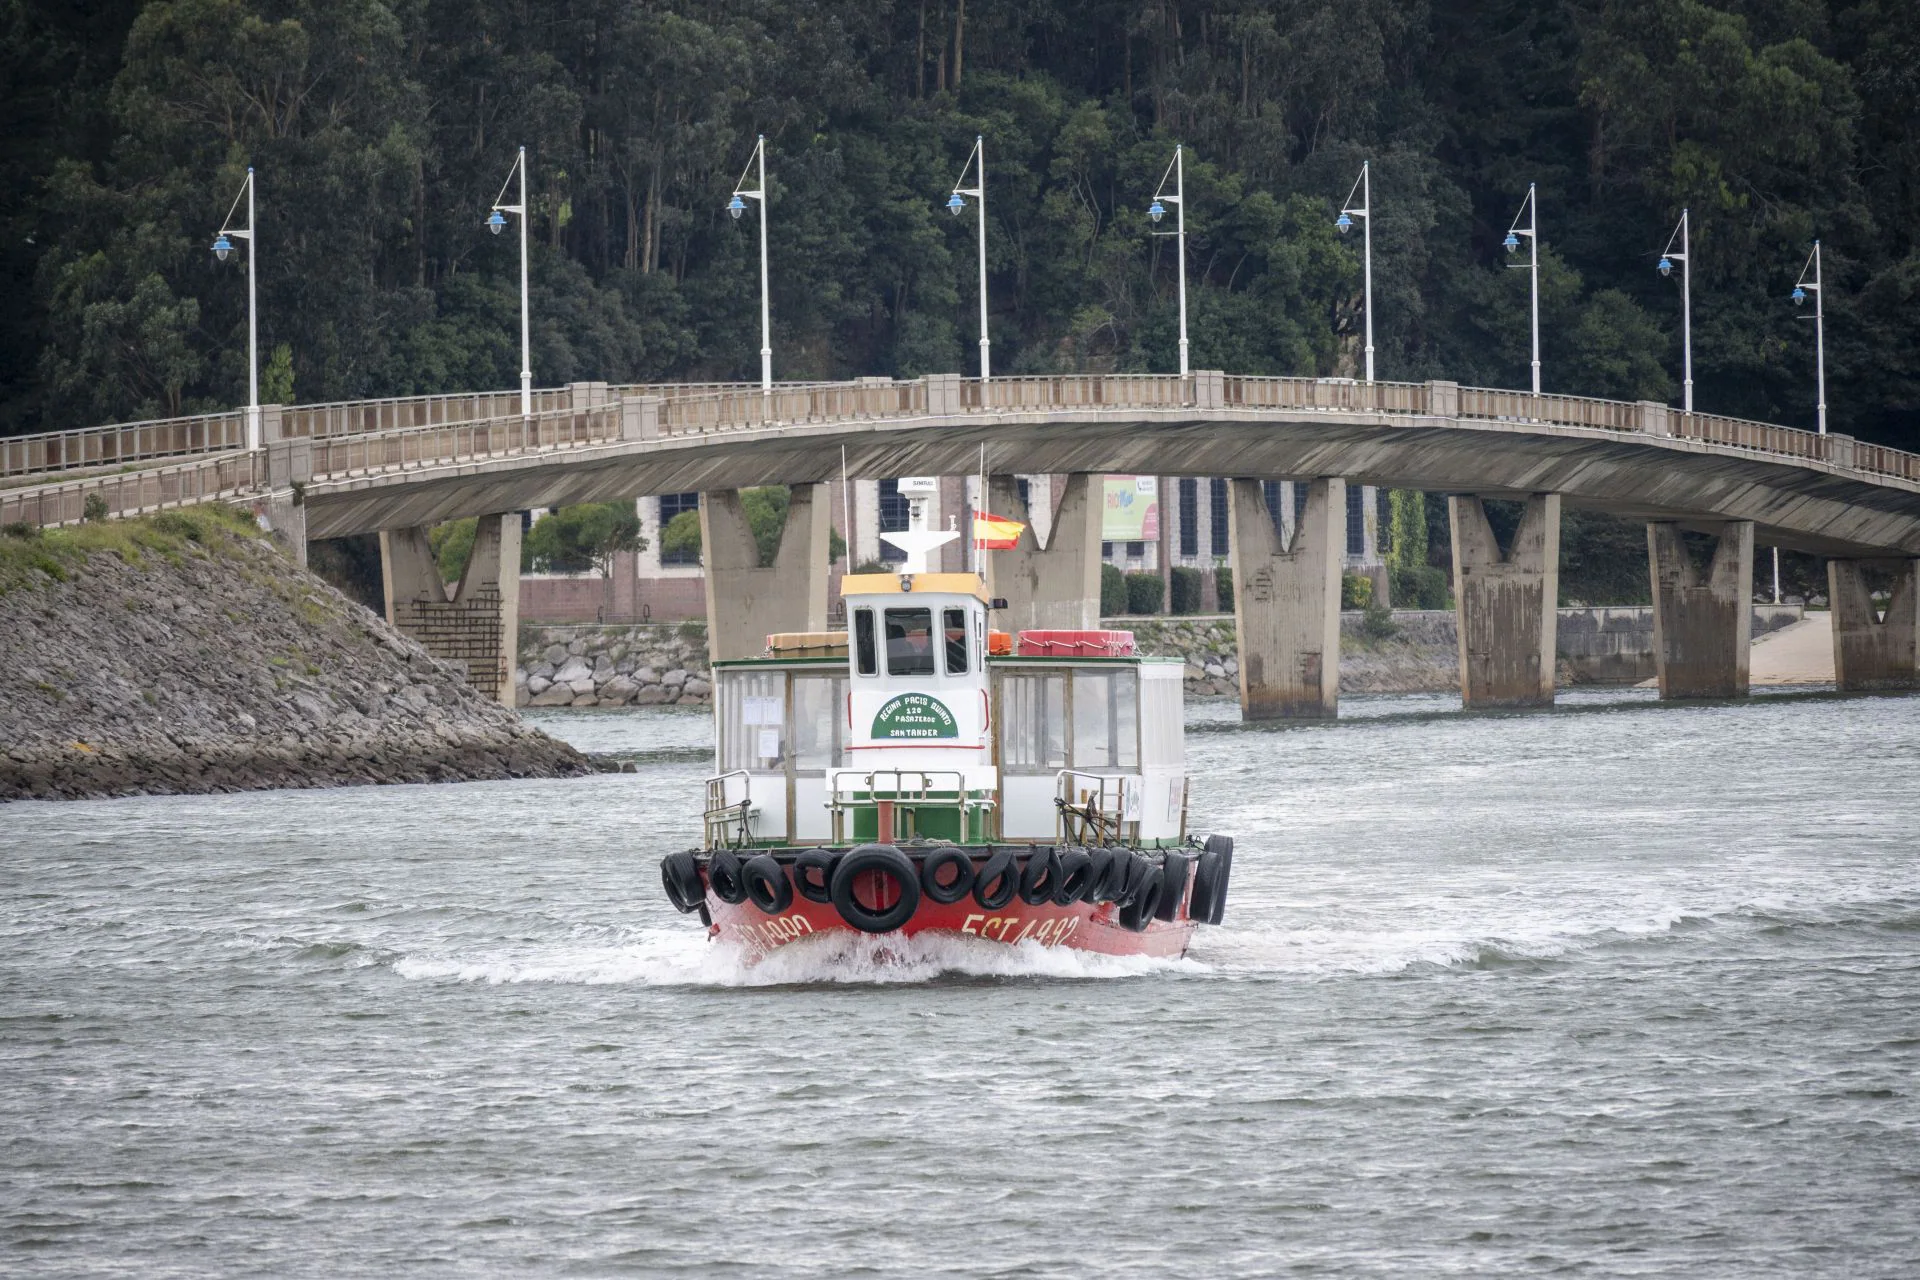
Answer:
(208, 433)
(395, 413)
(1763, 437)
(124, 442)
(133, 493)
(340, 457)
(825, 402)
(1078, 391)
(1566, 411)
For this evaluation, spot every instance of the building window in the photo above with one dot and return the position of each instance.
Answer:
(1356, 522)
(1299, 502)
(671, 505)
(1136, 550)
(1025, 501)
(1189, 517)
(1217, 491)
(893, 519)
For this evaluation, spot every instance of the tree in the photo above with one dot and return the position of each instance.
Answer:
(582, 538)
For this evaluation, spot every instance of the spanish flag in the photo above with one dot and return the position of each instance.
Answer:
(996, 533)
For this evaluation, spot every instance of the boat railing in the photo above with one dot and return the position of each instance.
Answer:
(889, 792)
(1093, 814)
(729, 821)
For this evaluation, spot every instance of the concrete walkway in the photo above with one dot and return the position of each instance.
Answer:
(1799, 654)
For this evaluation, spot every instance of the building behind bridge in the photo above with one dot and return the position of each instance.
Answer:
(655, 585)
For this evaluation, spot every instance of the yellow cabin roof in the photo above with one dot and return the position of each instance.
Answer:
(894, 584)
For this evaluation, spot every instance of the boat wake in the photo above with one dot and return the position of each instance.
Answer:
(675, 958)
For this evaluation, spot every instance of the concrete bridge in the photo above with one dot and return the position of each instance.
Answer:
(399, 467)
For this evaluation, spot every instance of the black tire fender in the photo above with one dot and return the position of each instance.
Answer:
(768, 887)
(890, 862)
(723, 877)
(1139, 912)
(1076, 877)
(680, 876)
(1174, 868)
(946, 892)
(1129, 873)
(1209, 905)
(805, 864)
(997, 880)
(1040, 877)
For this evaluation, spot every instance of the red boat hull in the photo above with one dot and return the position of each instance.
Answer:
(1079, 926)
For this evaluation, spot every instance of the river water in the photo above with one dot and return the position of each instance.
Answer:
(1621, 990)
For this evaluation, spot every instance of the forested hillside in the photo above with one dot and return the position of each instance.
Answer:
(381, 131)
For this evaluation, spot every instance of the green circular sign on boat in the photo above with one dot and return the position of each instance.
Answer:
(914, 715)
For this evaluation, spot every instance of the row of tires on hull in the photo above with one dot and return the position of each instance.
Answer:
(1144, 888)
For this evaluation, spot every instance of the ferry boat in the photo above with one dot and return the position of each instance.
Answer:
(922, 772)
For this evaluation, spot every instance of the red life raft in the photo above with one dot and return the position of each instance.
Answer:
(1076, 644)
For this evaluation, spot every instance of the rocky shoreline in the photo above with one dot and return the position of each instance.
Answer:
(183, 653)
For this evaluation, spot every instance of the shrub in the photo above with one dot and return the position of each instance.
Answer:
(1356, 592)
(1378, 623)
(1143, 593)
(1113, 591)
(94, 508)
(1186, 590)
(1223, 579)
(1420, 586)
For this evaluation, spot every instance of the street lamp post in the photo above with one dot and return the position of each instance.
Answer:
(1530, 210)
(495, 222)
(736, 207)
(222, 246)
(1685, 258)
(1177, 170)
(977, 162)
(1801, 288)
(1363, 187)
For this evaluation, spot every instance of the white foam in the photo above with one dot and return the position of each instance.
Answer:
(1313, 949)
(678, 957)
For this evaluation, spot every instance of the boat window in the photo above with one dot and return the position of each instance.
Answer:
(818, 702)
(909, 642)
(863, 642)
(1126, 719)
(1033, 726)
(753, 715)
(1164, 736)
(1092, 719)
(956, 629)
(1106, 719)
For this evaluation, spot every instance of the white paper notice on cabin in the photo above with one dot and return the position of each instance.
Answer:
(761, 710)
(769, 743)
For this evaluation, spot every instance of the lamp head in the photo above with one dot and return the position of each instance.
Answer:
(1799, 295)
(736, 206)
(955, 204)
(1512, 242)
(496, 222)
(1343, 223)
(1156, 211)
(222, 247)
(1666, 266)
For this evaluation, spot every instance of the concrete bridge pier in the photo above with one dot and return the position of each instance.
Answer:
(1506, 603)
(1702, 622)
(746, 603)
(1872, 652)
(1055, 588)
(480, 625)
(1286, 602)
